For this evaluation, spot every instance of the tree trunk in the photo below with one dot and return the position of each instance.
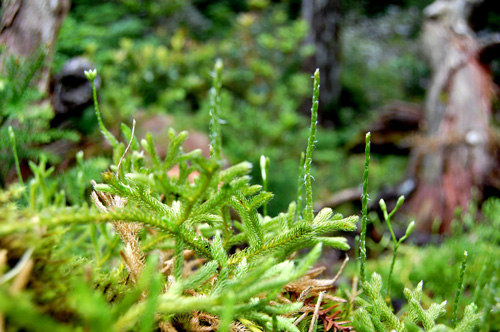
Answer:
(457, 154)
(28, 25)
(324, 18)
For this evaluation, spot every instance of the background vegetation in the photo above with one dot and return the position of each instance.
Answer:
(156, 58)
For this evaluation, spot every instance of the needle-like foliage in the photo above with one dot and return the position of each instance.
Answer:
(172, 250)
(375, 314)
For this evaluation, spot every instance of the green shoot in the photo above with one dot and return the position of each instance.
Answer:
(300, 185)
(215, 99)
(308, 213)
(264, 168)
(41, 174)
(12, 137)
(396, 242)
(460, 287)
(364, 203)
(228, 312)
(91, 75)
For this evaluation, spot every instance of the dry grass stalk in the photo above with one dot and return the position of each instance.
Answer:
(353, 293)
(309, 288)
(166, 327)
(3, 259)
(238, 327)
(22, 278)
(307, 285)
(316, 311)
(342, 267)
(203, 322)
(300, 319)
(133, 255)
(167, 260)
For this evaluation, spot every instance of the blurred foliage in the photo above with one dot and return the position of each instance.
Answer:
(21, 109)
(167, 71)
(384, 51)
(156, 55)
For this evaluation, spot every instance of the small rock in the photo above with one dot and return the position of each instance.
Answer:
(72, 92)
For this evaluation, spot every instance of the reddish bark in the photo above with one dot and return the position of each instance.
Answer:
(456, 154)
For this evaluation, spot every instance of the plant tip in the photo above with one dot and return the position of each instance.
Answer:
(90, 74)
(410, 228)
(263, 167)
(400, 201)
(382, 204)
(218, 65)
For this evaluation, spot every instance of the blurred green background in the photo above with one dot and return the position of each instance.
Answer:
(155, 57)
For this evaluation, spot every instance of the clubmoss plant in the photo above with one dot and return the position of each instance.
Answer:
(195, 252)
(308, 211)
(364, 202)
(264, 167)
(460, 287)
(374, 313)
(300, 185)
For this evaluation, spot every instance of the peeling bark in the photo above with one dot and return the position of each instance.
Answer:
(457, 153)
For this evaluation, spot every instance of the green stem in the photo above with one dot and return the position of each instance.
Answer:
(214, 110)
(194, 198)
(460, 287)
(179, 259)
(226, 221)
(393, 236)
(106, 133)
(388, 291)
(228, 312)
(109, 251)
(12, 136)
(308, 213)
(264, 167)
(396, 242)
(364, 202)
(298, 211)
(297, 235)
(95, 242)
(152, 244)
